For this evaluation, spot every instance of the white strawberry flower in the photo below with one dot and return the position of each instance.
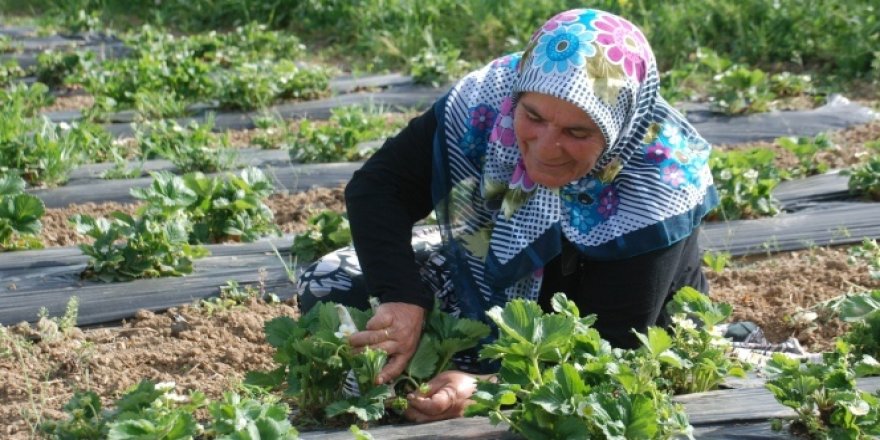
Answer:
(346, 324)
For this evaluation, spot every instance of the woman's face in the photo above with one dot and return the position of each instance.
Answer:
(559, 143)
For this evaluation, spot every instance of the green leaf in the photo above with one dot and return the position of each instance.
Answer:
(424, 362)
(279, 330)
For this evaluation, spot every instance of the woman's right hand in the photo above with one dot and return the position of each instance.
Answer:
(395, 328)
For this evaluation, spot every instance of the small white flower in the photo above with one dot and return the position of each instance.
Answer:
(64, 126)
(346, 324)
(751, 174)
(684, 322)
(166, 386)
(174, 397)
(726, 174)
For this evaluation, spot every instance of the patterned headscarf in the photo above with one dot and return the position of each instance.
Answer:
(650, 187)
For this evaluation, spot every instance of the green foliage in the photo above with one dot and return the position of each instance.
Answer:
(740, 90)
(20, 215)
(327, 231)
(191, 148)
(437, 65)
(564, 381)
(869, 253)
(337, 140)
(704, 357)
(219, 209)
(328, 379)
(259, 84)
(716, 261)
(156, 411)
(248, 68)
(235, 418)
(806, 150)
(25, 100)
(864, 179)
(10, 71)
(40, 151)
(745, 180)
(824, 395)
(53, 68)
(126, 247)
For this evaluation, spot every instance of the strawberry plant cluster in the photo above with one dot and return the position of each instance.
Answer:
(20, 215)
(864, 179)
(560, 379)
(327, 231)
(806, 149)
(247, 68)
(745, 180)
(191, 148)
(156, 411)
(40, 151)
(824, 395)
(180, 214)
(127, 247)
(328, 379)
(338, 139)
(218, 209)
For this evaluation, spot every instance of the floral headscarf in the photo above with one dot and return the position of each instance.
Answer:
(650, 187)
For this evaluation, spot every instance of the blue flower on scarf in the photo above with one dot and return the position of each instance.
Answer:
(473, 145)
(564, 47)
(589, 202)
(679, 160)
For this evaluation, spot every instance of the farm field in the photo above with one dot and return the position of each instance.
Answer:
(163, 182)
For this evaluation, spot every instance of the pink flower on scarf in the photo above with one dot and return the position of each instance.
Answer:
(503, 130)
(625, 45)
(520, 178)
(673, 175)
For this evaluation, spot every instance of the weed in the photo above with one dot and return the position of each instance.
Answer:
(716, 261)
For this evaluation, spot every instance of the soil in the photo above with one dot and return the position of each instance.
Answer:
(211, 351)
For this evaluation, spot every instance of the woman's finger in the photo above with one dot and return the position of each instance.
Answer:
(369, 337)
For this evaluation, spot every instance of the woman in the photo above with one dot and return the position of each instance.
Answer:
(556, 169)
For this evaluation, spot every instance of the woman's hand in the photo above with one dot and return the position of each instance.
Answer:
(449, 394)
(395, 328)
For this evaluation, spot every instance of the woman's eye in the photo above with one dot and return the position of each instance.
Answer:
(533, 117)
(578, 134)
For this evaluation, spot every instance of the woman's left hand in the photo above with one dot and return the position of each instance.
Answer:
(450, 392)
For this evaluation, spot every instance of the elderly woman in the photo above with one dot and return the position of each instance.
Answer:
(560, 168)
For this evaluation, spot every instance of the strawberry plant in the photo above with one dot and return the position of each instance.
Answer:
(191, 148)
(705, 357)
(864, 179)
(258, 84)
(328, 379)
(745, 181)
(127, 247)
(156, 411)
(20, 215)
(806, 149)
(740, 90)
(824, 395)
(867, 252)
(327, 231)
(249, 419)
(338, 139)
(10, 71)
(716, 261)
(54, 68)
(26, 100)
(219, 208)
(564, 381)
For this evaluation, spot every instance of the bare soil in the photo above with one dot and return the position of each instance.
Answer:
(212, 351)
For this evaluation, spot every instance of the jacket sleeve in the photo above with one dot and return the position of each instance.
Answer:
(384, 199)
